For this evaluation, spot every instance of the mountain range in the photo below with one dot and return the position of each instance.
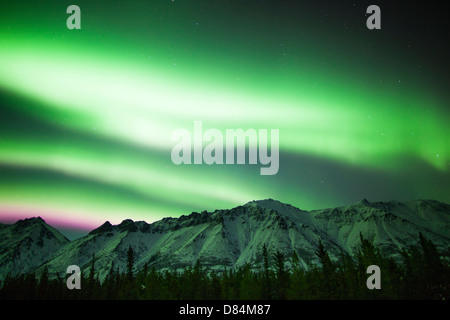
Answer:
(225, 238)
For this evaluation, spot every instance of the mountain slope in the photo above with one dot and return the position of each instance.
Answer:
(232, 238)
(27, 244)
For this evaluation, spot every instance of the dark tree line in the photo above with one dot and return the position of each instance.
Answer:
(421, 274)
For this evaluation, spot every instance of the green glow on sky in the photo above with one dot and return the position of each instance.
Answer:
(142, 107)
(115, 97)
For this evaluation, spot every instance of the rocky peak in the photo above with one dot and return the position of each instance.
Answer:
(364, 202)
(28, 223)
(127, 225)
(106, 227)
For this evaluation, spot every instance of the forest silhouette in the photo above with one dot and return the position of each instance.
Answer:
(422, 273)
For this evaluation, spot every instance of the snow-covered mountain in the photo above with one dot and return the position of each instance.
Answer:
(232, 238)
(27, 244)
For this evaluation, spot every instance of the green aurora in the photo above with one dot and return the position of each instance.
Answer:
(87, 115)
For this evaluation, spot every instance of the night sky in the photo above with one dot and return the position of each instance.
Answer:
(86, 116)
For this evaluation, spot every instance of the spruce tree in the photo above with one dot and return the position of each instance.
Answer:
(266, 281)
(44, 284)
(130, 263)
(326, 277)
(281, 275)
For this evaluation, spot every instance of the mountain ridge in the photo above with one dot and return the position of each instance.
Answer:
(234, 237)
(24, 243)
